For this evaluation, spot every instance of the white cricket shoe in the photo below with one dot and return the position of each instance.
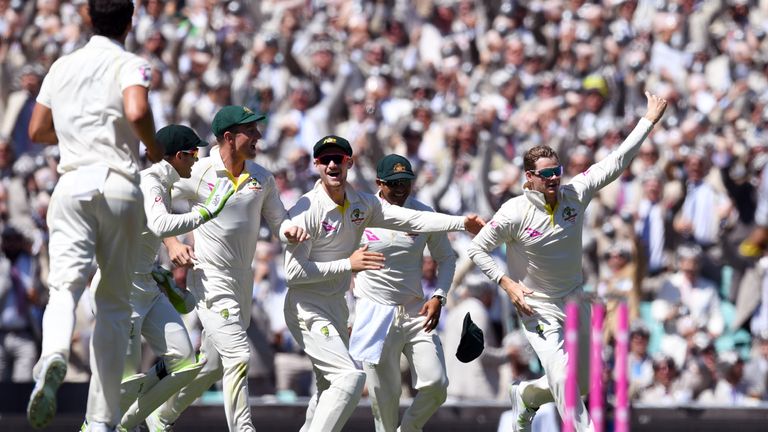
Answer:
(154, 424)
(522, 415)
(42, 402)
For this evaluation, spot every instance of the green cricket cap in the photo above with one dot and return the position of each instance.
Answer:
(394, 167)
(471, 343)
(233, 115)
(331, 141)
(177, 138)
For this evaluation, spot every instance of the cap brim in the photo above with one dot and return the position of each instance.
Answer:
(399, 176)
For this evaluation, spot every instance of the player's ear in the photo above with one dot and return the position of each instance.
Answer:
(350, 162)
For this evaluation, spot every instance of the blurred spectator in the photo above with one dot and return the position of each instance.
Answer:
(731, 388)
(20, 314)
(18, 110)
(667, 389)
(756, 369)
(641, 370)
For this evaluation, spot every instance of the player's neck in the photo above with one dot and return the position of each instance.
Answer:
(336, 193)
(232, 161)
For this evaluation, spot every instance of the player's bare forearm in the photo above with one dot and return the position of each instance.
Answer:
(41, 127)
(139, 115)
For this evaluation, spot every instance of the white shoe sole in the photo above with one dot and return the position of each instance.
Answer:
(42, 401)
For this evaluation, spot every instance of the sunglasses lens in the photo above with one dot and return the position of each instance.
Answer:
(398, 183)
(551, 172)
(327, 159)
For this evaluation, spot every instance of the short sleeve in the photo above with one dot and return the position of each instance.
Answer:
(135, 71)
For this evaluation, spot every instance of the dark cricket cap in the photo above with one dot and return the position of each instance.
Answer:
(472, 342)
(176, 138)
(232, 115)
(332, 141)
(394, 167)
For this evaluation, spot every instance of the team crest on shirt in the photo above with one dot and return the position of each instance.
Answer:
(569, 214)
(357, 216)
(158, 198)
(254, 185)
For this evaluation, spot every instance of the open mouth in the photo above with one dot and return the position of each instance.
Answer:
(335, 174)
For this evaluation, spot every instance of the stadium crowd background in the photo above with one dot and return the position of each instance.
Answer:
(463, 89)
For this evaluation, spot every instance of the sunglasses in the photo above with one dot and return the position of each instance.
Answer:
(548, 172)
(192, 153)
(397, 183)
(338, 159)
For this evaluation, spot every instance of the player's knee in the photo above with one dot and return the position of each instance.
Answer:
(352, 382)
(436, 389)
(180, 361)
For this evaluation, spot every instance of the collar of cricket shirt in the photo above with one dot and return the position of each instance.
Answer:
(168, 174)
(218, 164)
(351, 197)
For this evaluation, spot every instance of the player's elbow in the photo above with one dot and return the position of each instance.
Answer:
(474, 251)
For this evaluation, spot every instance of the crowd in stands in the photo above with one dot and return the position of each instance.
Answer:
(461, 88)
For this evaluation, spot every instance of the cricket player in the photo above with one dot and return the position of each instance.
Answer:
(392, 316)
(319, 272)
(542, 232)
(154, 316)
(222, 276)
(97, 99)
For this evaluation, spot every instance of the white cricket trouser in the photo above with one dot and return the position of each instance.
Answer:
(225, 347)
(549, 344)
(425, 355)
(155, 318)
(106, 226)
(319, 325)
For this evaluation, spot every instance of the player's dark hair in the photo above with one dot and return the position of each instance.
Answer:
(110, 18)
(536, 153)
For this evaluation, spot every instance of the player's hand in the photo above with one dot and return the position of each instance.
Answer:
(431, 310)
(222, 190)
(182, 255)
(656, 107)
(473, 223)
(362, 260)
(296, 234)
(517, 293)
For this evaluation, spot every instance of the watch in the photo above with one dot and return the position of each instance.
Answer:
(441, 299)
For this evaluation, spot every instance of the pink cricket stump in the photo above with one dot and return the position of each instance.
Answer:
(572, 368)
(622, 364)
(596, 367)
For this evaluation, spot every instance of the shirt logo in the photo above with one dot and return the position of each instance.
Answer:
(158, 198)
(493, 224)
(224, 313)
(328, 227)
(146, 73)
(569, 214)
(370, 236)
(255, 186)
(532, 232)
(210, 186)
(358, 216)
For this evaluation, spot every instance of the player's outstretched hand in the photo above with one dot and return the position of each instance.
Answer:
(656, 107)
(473, 223)
(361, 260)
(295, 234)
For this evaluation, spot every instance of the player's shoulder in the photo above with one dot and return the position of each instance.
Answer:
(512, 210)
(259, 172)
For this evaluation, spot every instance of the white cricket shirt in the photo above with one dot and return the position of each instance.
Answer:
(156, 184)
(399, 282)
(229, 240)
(84, 90)
(320, 266)
(543, 244)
